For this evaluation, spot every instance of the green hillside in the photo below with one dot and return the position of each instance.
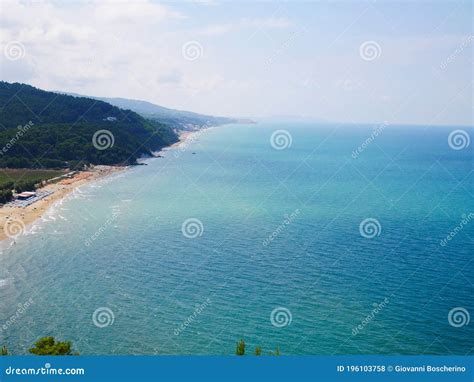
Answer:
(41, 129)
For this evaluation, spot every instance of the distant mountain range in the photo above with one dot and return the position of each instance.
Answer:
(178, 119)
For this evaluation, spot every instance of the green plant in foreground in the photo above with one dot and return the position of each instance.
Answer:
(49, 346)
(4, 350)
(240, 349)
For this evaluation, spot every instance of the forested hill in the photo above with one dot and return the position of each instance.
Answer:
(179, 119)
(46, 129)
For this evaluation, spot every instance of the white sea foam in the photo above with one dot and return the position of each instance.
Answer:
(6, 282)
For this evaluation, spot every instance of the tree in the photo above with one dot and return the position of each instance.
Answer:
(48, 346)
(258, 350)
(4, 350)
(240, 349)
(5, 196)
(27, 185)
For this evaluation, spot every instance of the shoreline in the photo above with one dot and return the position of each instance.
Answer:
(15, 219)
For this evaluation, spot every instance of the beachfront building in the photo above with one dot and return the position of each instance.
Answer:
(25, 195)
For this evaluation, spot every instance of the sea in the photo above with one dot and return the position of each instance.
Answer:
(299, 238)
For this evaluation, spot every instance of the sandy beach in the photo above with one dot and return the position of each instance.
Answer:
(14, 219)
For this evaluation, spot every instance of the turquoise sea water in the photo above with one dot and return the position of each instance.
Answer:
(277, 231)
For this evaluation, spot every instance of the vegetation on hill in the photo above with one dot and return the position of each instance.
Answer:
(24, 175)
(178, 119)
(22, 180)
(41, 129)
(49, 346)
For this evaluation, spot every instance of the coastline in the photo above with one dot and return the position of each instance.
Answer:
(23, 216)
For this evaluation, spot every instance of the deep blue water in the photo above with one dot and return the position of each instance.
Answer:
(280, 231)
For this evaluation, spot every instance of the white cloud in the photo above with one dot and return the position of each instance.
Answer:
(81, 46)
(134, 50)
(247, 23)
(136, 12)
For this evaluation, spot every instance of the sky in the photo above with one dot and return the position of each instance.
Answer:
(406, 62)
